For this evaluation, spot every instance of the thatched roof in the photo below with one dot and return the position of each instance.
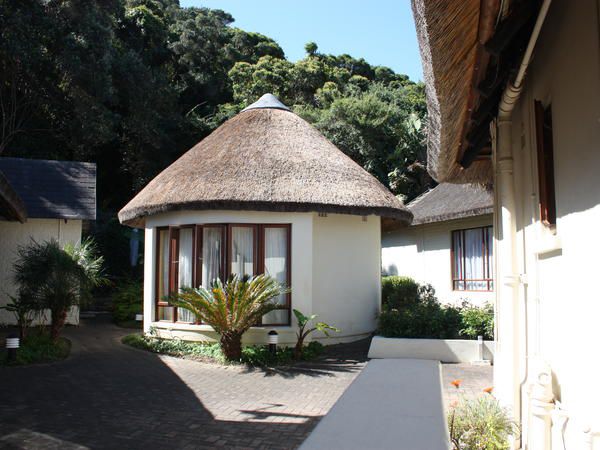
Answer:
(449, 201)
(11, 205)
(447, 32)
(265, 159)
(470, 50)
(52, 189)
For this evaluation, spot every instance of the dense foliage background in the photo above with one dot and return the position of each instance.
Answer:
(133, 84)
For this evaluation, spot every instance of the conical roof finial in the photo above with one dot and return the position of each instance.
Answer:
(267, 101)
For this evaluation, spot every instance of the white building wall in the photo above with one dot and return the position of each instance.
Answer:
(347, 273)
(423, 252)
(559, 300)
(16, 234)
(335, 272)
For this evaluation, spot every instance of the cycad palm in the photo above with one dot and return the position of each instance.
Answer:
(231, 308)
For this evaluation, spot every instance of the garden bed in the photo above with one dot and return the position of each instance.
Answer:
(252, 355)
(36, 348)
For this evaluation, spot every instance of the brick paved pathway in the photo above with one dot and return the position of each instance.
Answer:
(110, 396)
(107, 395)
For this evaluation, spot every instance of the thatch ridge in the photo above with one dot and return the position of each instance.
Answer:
(265, 159)
(447, 32)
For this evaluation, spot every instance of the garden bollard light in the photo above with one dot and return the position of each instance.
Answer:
(12, 344)
(273, 341)
(139, 317)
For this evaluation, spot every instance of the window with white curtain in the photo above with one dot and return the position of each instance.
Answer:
(212, 256)
(242, 250)
(472, 257)
(185, 269)
(196, 255)
(276, 249)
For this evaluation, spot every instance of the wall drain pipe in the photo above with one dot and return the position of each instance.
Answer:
(509, 292)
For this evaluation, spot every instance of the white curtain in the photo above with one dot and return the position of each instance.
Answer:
(185, 278)
(164, 313)
(242, 251)
(276, 267)
(211, 254)
(474, 260)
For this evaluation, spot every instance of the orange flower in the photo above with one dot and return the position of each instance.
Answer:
(454, 404)
(456, 383)
(488, 390)
(215, 291)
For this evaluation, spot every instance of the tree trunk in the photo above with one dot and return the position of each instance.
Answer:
(58, 322)
(231, 345)
(298, 348)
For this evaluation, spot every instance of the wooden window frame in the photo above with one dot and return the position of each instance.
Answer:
(226, 259)
(486, 258)
(545, 164)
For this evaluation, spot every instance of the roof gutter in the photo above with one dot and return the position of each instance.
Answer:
(511, 318)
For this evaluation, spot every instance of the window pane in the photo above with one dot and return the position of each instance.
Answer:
(489, 252)
(163, 264)
(185, 274)
(166, 313)
(458, 255)
(276, 267)
(242, 251)
(212, 244)
(474, 260)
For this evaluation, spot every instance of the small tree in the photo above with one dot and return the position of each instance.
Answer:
(57, 278)
(232, 308)
(25, 309)
(303, 331)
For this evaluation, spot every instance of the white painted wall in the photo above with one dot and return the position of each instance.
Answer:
(423, 252)
(444, 350)
(558, 295)
(15, 234)
(335, 271)
(346, 272)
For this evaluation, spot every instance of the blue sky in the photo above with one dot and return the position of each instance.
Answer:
(381, 31)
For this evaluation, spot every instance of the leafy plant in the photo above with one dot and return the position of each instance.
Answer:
(127, 300)
(252, 355)
(413, 311)
(232, 308)
(477, 321)
(398, 291)
(25, 309)
(480, 424)
(57, 278)
(38, 346)
(304, 330)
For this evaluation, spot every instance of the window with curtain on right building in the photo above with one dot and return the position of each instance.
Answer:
(472, 266)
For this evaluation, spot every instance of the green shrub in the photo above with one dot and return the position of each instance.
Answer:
(127, 300)
(480, 424)
(423, 320)
(477, 321)
(39, 347)
(397, 292)
(252, 355)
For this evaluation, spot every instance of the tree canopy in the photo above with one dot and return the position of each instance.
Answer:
(132, 84)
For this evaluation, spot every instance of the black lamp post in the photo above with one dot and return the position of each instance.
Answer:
(12, 344)
(273, 341)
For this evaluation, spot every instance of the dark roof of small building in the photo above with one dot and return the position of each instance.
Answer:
(53, 189)
(449, 201)
(11, 205)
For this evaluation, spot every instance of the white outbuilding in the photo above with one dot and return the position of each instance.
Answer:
(265, 193)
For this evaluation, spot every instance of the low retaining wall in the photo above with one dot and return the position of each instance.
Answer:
(444, 350)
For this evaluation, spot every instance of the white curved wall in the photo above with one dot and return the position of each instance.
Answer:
(335, 271)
